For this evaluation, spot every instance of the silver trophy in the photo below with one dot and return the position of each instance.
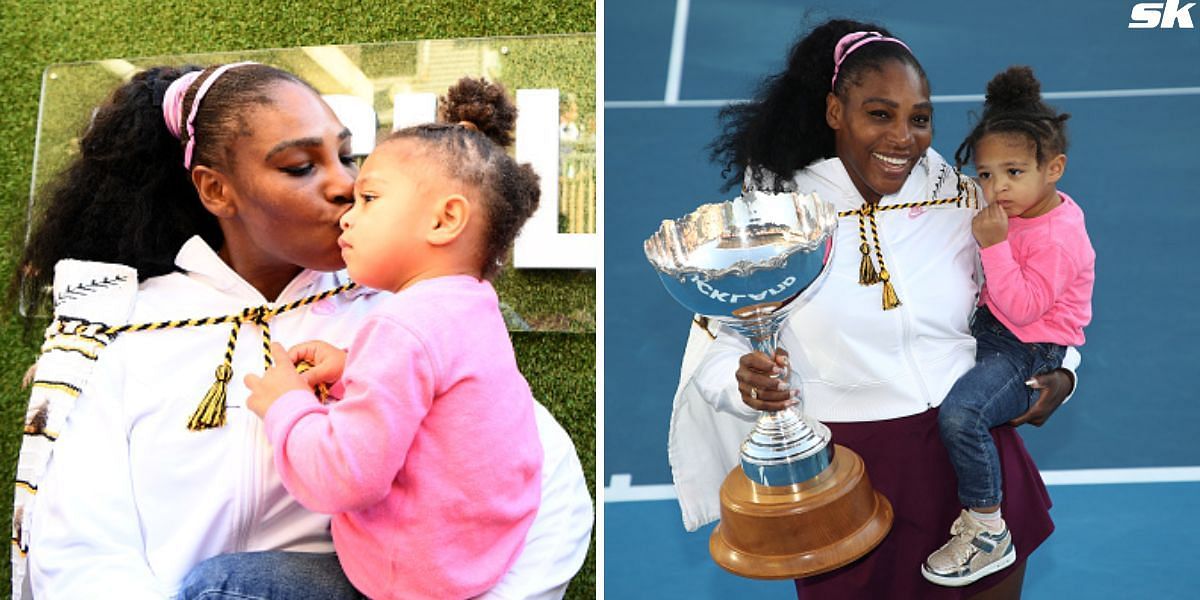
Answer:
(796, 507)
(749, 263)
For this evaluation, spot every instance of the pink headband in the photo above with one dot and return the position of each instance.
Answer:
(853, 41)
(173, 105)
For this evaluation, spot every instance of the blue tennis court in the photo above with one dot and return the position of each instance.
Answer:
(1122, 458)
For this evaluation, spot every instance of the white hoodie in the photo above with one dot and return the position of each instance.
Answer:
(133, 499)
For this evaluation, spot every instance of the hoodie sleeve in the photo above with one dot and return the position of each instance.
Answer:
(1025, 288)
(344, 456)
(87, 542)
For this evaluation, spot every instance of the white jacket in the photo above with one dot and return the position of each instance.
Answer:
(132, 499)
(857, 361)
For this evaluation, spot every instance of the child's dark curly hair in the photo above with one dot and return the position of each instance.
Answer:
(479, 118)
(126, 198)
(1014, 105)
(783, 128)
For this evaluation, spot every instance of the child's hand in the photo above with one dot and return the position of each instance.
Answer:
(990, 226)
(327, 361)
(280, 379)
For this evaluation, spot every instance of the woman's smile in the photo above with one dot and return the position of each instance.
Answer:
(894, 165)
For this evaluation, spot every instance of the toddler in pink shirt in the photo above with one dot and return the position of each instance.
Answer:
(430, 461)
(1039, 268)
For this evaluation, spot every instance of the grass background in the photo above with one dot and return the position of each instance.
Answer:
(559, 365)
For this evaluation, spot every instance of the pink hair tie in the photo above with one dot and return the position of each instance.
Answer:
(853, 41)
(173, 105)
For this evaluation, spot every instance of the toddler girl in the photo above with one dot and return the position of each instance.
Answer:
(1039, 268)
(430, 461)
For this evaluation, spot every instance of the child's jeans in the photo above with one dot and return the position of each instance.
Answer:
(992, 393)
(269, 576)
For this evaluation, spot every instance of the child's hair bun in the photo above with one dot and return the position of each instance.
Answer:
(1014, 105)
(483, 104)
(1013, 89)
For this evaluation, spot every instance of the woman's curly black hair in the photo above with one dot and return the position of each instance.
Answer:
(1014, 106)
(783, 129)
(478, 122)
(126, 197)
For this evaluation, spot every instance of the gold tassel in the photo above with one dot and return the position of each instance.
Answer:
(211, 412)
(866, 268)
(890, 300)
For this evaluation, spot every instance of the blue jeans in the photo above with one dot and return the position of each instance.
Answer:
(269, 576)
(992, 393)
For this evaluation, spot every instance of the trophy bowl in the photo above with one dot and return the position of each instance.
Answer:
(798, 505)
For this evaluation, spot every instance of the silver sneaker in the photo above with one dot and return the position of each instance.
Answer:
(970, 555)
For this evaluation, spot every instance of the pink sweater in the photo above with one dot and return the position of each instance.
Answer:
(430, 462)
(1039, 280)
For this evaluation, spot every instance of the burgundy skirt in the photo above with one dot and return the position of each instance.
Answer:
(908, 464)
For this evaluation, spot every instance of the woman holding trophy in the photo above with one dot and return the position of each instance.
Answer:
(878, 346)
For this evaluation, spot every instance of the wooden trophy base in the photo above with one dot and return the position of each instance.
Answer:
(790, 532)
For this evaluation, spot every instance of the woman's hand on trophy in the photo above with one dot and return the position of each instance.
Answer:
(763, 382)
(1055, 386)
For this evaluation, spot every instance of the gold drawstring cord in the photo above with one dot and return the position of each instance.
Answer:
(211, 411)
(867, 274)
(702, 322)
(890, 300)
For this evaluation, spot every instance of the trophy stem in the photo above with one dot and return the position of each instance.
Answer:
(763, 332)
(785, 448)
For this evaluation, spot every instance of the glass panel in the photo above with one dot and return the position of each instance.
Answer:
(383, 77)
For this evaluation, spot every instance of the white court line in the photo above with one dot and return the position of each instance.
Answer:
(678, 41)
(675, 102)
(620, 489)
(1140, 475)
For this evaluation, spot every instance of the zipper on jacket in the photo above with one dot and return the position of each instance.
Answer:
(255, 483)
(905, 319)
(253, 487)
(247, 503)
(906, 335)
